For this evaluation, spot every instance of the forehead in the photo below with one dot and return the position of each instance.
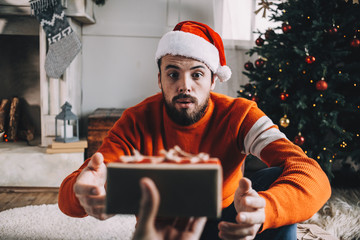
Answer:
(181, 61)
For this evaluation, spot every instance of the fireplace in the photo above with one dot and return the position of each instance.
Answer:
(20, 77)
(23, 48)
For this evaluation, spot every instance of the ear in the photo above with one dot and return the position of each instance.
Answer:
(213, 82)
(159, 80)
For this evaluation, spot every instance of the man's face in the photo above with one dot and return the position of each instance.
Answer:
(186, 84)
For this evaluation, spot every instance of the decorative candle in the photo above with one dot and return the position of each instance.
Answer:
(69, 131)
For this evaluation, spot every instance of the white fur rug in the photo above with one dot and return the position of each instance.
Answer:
(340, 216)
(48, 222)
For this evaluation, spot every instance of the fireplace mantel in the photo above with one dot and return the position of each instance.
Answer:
(80, 10)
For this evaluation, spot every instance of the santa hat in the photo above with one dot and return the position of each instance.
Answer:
(198, 41)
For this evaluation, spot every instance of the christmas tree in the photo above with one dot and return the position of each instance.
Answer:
(307, 77)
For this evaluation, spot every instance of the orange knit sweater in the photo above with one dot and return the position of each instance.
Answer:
(230, 129)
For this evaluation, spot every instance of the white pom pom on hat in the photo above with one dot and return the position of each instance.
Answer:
(198, 41)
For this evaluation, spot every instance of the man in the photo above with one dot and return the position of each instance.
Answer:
(189, 114)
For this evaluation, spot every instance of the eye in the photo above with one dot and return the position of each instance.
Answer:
(197, 75)
(173, 75)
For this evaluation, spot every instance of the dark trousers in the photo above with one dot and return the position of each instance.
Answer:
(261, 181)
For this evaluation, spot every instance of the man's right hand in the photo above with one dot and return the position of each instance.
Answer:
(89, 187)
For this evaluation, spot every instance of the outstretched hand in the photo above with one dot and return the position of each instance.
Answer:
(250, 208)
(89, 187)
(149, 227)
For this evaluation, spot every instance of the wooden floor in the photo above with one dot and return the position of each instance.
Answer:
(12, 197)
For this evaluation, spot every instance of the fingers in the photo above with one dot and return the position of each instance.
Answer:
(244, 197)
(197, 224)
(98, 213)
(92, 178)
(229, 230)
(244, 186)
(89, 187)
(251, 213)
(255, 202)
(94, 206)
(250, 218)
(96, 161)
(191, 228)
(84, 189)
(91, 198)
(149, 205)
(182, 223)
(96, 200)
(151, 227)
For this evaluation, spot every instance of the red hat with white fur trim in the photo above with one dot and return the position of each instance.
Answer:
(198, 41)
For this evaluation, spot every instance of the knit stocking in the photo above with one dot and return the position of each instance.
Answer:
(64, 44)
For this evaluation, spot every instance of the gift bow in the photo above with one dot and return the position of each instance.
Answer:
(175, 155)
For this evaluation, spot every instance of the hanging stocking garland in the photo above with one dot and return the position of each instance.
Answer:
(63, 42)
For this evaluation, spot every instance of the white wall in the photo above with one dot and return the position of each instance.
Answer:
(119, 69)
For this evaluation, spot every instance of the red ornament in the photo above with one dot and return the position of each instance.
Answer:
(249, 66)
(333, 30)
(284, 96)
(259, 63)
(259, 41)
(299, 140)
(255, 98)
(355, 43)
(310, 59)
(269, 34)
(286, 27)
(321, 85)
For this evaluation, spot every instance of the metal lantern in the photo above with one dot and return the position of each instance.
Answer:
(68, 126)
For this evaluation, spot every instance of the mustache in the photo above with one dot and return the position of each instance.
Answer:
(183, 95)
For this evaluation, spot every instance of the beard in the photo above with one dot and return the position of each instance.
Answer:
(186, 116)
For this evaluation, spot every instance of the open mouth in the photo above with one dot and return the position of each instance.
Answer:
(184, 102)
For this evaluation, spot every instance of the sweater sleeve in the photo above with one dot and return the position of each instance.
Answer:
(67, 201)
(300, 191)
(302, 188)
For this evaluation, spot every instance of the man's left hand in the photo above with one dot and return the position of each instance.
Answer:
(250, 208)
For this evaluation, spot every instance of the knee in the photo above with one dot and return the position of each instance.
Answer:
(262, 179)
(288, 232)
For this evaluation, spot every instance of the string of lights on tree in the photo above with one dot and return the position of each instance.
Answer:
(306, 76)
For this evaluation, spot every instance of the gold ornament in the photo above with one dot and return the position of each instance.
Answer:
(284, 121)
(265, 4)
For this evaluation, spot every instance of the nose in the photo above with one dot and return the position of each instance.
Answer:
(184, 84)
